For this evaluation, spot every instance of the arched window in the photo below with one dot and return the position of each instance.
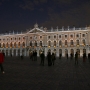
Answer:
(7, 44)
(19, 44)
(23, 44)
(49, 43)
(54, 43)
(11, 44)
(60, 43)
(15, 44)
(71, 42)
(31, 43)
(83, 41)
(35, 43)
(3, 45)
(0, 45)
(54, 36)
(40, 43)
(48, 37)
(77, 42)
(65, 42)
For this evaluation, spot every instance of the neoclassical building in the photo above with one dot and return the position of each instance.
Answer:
(57, 40)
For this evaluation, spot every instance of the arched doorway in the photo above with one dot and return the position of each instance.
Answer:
(72, 53)
(78, 51)
(6, 52)
(18, 52)
(54, 51)
(10, 52)
(84, 51)
(14, 52)
(60, 53)
(66, 52)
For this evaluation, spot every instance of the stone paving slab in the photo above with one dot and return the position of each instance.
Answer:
(30, 75)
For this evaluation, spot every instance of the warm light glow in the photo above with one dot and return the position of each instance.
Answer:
(60, 45)
(77, 45)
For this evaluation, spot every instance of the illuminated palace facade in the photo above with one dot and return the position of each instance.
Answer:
(57, 40)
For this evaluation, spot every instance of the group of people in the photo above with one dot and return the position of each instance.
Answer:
(1, 62)
(33, 55)
(50, 57)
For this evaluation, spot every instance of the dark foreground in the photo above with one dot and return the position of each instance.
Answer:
(30, 75)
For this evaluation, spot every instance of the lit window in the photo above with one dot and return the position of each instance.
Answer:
(83, 42)
(49, 43)
(60, 43)
(65, 42)
(77, 42)
(54, 43)
(71, 42)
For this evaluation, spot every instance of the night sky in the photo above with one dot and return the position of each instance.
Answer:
(19, 15)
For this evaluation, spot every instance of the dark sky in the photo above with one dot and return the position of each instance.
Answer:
(19, 15)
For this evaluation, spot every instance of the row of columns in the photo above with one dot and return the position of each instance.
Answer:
(26, 52)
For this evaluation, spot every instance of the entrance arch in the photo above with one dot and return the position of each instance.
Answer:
(14, 52)
(78, 51)
(10, 52)
(6, 52)
(18, 52)
(72, 52)
(84, 51)
(66, 52)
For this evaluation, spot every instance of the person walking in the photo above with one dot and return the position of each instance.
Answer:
(42, 56)
(84, 57)
(53, 58)
(1, 62)
(49, 59)
(67, 56)
(76, 58)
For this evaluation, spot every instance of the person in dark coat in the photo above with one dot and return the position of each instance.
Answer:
(21, 57)
(1, 61)
(76, 58)
(42, 56)
(67, 56)
(89, 56)
(60, 55)
(49, 59)
(35, 55)
(84, 57)
(53, 58)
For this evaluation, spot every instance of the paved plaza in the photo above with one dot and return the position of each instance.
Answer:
(30, 75)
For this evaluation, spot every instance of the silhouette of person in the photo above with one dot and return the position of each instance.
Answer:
(76, 58)
(84, 57)
(53, 58)
(49, 59)
(42, 56)
(1, 61)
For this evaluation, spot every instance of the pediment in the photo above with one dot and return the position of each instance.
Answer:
(36, 30)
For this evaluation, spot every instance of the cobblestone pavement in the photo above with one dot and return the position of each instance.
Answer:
(30, 75)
